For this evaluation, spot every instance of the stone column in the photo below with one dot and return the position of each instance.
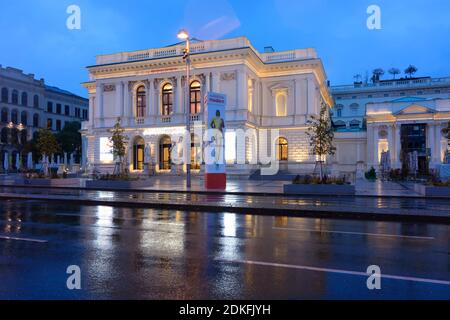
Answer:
(126, 104)
(375, 162)
(151, 99)
(390, 130)
(216, 82)
(398, 146)
(148, 103)
(91, 109)
(180, 106)
(242, 91)
(431, 144)
(99, 109)
(119, 92)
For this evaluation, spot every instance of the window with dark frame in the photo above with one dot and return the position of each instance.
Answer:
(167, 100)
(140, 102)
(195, 97)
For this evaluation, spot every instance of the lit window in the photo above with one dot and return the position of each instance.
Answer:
(282, 149)
(281, 104)
(195, 98)
(167, 100)
(140, 102)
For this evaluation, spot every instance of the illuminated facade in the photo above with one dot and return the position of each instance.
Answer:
(400, 116)
(146, 89)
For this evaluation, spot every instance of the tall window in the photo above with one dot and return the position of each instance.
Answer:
(36, 101)
(49, 124)
(195, 98)
(58, 125)
(4, 116)
(36, 120)
(140, 102)
(167, 99)
(49, 107)
(24, 99)
(15, 97)
(5, 94)
(282, 149)
(281, 104)
(24, 118)
(15, 117)
(67, 110)
(58, 108)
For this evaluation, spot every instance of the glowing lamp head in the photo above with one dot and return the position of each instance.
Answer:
(183, 34)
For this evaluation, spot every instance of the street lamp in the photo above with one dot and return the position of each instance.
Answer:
(184, 35)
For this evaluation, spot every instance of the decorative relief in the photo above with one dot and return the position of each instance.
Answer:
(109, 88)
(228, 76)
(131, 84)
(157, 82)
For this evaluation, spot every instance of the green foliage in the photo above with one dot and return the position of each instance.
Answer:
(371, 174)
(411, 70)
(320, 133)
(69, 138)
(119, 143)
(47, 143)
(307, 179)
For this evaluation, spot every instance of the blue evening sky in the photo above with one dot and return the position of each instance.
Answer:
(34, 36)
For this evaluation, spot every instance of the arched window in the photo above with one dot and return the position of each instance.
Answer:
(339, 109)
(140, 102)
(15, 117)
(24, 99)
(36, 120)
(340, 125)
(195, 98)
(24, 118)
(282, 149)
(281, 104)
(167, 99)
(4, 116)
(15, 97)
(138, 154)
(5, 94)
(36, 101)
(355, 124)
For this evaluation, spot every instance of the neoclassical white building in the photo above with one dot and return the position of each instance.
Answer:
(400, 116)
(269, 90)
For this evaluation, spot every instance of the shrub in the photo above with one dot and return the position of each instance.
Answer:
(371, 174)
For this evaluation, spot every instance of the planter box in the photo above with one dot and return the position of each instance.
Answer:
(105, 184)
(74, 182)
(320, 189)
(431, 191)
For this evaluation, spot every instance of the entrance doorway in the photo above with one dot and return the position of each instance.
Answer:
(138, 154)
(414, 138)
(165, 147)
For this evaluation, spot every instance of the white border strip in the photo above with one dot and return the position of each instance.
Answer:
(348, 272)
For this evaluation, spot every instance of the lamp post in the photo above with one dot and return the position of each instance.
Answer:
(184, 35)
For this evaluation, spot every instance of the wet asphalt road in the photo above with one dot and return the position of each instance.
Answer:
(134, 253)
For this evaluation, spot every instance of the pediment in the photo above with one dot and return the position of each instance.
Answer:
(415, 109)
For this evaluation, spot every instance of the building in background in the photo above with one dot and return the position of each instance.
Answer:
(399, 116)
(28, 104)
(270, 90)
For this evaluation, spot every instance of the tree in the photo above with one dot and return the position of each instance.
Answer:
(321, 135)
(446, 133)
(70, 138)
(394, 72)
(377, 74)
(119, 144)
(411, 70)
(47, 144)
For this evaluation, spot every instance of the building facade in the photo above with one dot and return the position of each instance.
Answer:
(27, 105)
(146, 89)
(400, 116)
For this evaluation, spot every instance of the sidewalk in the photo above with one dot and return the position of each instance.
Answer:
(172, 184)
